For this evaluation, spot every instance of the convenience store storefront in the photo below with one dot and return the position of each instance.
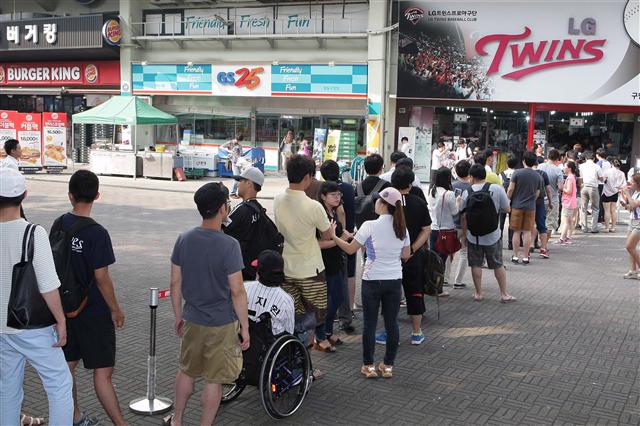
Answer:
(215, 103)
(506, 76)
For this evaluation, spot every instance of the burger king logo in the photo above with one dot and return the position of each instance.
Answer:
(1, 74)
(91, 73)
(29, 117)
(111, 32)
(4, 115)
(54, 115)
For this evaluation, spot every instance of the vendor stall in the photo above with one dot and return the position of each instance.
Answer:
(127, 157)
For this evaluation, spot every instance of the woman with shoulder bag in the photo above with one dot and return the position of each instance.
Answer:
(386, 241)
(443, 206)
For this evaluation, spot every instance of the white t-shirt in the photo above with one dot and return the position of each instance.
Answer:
(387, 176)
(10, 163)
(11, 235)
(590, 173)
(614, 180)
(274, 300)
(442, 216)
(383, 249)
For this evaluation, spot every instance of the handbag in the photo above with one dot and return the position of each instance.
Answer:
(27, 308)
(447, 242)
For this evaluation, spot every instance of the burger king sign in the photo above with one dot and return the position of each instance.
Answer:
(111, 32)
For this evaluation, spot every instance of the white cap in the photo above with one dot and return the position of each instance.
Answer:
(12, 183)
(253, 174)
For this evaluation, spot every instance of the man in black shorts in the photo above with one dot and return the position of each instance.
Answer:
(91, 336)
(416, 212)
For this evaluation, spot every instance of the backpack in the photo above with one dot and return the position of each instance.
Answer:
(265, 237)
(434, 269)
(74, 294)
(482, 218)
(505, 180)
(364, 204)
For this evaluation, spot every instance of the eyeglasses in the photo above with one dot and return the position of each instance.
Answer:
(335, 194)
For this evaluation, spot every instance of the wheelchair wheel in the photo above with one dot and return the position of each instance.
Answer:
(285, 377)
(231, 392)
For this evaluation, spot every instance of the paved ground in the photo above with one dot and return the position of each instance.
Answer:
(566, 353)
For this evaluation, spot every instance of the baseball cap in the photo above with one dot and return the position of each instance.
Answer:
(253, 174)
(389, 195)
(270, 268)
(12, 183)
(210, 197)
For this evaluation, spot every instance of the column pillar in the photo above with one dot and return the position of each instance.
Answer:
(377, 104)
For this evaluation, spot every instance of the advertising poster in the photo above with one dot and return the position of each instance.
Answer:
(421, 118)
(333, 144)
(408, 145)
(373, 136)
(54, 136)
(7, 129)
(542, 51)
(29, 128)
(319, 141)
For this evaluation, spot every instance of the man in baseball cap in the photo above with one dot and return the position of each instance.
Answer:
(12, 186)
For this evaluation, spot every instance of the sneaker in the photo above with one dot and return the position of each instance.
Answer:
(631, 275)
(381, 338)
(416, 339)
(515, 260)
(403, 303)
(86, 420)
(386, 371)
(544, 253)
(559, 242)
(459, 286)
(526, 260)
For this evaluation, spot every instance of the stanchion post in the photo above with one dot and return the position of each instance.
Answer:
(151, 404)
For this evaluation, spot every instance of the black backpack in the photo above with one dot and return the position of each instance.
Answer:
(73, 292)
(265, 237)
(434, 270)
(506, 181)
(364, 204)
(482, 218)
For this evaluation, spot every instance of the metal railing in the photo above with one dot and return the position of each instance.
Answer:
(218, 27)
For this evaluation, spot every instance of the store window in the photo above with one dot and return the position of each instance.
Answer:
(163, 23)
(213, 129)
(452, 123)
(267, 129)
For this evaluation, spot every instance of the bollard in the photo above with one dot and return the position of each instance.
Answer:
(151, 404)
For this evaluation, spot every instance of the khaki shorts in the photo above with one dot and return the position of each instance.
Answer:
(309, 295)
(213, 353)
(522, 220)
(552, 217)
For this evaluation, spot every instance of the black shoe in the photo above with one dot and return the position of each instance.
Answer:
(459, 286)
(349, 329)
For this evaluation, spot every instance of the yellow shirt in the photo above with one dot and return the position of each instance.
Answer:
(297, 218)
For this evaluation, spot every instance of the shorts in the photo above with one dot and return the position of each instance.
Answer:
(634, 225)
(552, 216)
(309, 295)
(541, 219)
(609, 199)
(522, 220)
(351, 266)
(212, 353)
(566, 212)
(477, 253)
(413, 283)
(91, 339)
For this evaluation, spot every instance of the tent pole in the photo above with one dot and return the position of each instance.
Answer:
(73, 147)
(134, 128)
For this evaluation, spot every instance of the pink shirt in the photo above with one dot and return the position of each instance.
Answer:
(569, 199)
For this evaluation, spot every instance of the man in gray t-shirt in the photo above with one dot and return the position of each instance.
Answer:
(206, 270)
(556, 182)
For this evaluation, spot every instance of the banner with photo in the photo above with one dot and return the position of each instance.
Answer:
(54, 134)
(407, 137)
(421, 119)
(543, 51)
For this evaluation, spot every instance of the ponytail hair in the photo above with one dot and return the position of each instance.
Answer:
(399, 223)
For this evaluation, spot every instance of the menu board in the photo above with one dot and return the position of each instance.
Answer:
(54, 135)
(29, 128)
(348, 145)
(7, 129)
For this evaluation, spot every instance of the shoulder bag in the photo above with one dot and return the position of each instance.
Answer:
(447, 242)
(27, 308)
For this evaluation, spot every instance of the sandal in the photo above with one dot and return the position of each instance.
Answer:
(317, 375)
(334, 341)
(508, 300)
(526, 260)
(477, 298)
(515, 259)
(27, 420)
(369, 371)
(329, 349)
(166, 421)
(386, 371)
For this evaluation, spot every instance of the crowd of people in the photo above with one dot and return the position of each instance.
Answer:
(238, 264)
(442, 64)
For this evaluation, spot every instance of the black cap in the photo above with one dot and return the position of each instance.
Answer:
(270, 268)
(210, 197)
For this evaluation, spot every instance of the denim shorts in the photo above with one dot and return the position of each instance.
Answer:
(477, 253)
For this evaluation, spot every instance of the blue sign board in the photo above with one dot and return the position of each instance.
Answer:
(172, 79)
(337, 81)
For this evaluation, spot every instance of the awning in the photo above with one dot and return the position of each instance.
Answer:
(124, 110)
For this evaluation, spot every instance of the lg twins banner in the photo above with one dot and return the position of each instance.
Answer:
(544, 51)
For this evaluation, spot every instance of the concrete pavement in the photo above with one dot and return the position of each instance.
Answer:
(566, 353)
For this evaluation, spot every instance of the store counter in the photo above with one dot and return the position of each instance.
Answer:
(157, 164)
(106, 162)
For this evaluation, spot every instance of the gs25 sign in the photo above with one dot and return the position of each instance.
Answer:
(243, 77)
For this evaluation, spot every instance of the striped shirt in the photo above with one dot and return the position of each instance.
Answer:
(273, 300)
(11, 235)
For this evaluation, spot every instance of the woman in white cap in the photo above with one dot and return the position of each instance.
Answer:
(386, 241)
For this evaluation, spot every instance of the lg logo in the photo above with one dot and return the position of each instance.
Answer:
(243, 77)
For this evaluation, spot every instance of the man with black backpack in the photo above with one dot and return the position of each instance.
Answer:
(481, 205)
(364, 204)
(88, 295)
(249, 224)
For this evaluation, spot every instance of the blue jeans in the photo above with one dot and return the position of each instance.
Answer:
(335, 284)
(374, 294)
(34, 346)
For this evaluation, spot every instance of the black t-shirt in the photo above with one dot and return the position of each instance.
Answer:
(243, 226)
(348, 202)
(418, 192)
(370, 182)
(416, 213)
(91, 249)
(333, 258)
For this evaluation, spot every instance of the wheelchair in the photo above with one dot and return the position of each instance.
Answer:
(280, 367)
